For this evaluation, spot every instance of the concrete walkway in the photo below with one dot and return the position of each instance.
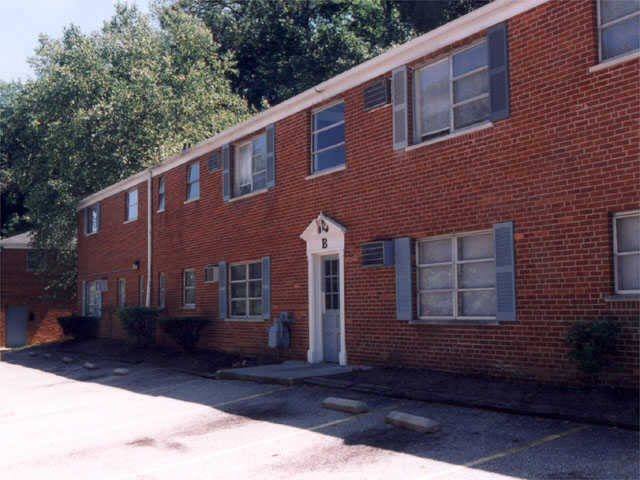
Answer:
(290, 372)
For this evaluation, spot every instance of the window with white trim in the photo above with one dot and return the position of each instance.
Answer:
(122, 292)
(456, 277)
(161, 194)
(626, 252)
(36, 261)
(327, 137)
(131, 212)
(193, 181)
(94, 299)
(161, 290)
(245, 294)
(93, 218)
(618, 27)
(452, 93)
(250, 166)
(189, 288)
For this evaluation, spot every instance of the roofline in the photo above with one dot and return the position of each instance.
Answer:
(458, 29)
(16, 244)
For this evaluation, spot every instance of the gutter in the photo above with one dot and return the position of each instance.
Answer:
(149, 233)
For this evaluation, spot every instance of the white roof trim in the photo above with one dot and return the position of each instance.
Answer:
(459, 29)
(20, 241)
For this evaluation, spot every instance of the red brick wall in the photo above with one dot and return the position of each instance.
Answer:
(564, 161)
(19, 287)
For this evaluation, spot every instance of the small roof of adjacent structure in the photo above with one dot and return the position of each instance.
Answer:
(22, 240)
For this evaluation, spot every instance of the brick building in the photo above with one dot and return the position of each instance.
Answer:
(26, 317)
(456, 203)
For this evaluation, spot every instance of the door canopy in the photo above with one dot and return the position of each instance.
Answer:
(324, 235)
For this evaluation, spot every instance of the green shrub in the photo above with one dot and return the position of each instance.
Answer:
(592, 344)
(185, 331)
(79, 327)
(139, 323)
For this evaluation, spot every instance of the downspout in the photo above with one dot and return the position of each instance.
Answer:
(149, 243)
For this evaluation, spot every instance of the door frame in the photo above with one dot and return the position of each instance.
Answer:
(324, 237)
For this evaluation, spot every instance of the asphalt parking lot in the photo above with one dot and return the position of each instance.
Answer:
(60, 421)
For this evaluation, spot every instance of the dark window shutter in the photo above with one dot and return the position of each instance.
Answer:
(404, 293)
(83, 295)
(399, 100)
(505, 272)
(213, 161)
(226, 172)
(271, 146)
(85, 221)
(97, 217)
(266, 287)
(222, 290)
(498, 72)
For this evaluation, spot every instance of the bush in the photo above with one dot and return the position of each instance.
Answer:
(79, 327)
(185, 331)
(592, 344)
(139, 323)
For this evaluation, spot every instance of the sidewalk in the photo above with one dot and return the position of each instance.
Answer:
(608, 406)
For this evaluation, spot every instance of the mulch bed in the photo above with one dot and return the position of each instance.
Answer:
(605, 405)
(199, 361)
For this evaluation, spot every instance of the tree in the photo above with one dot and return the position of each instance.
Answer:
(284, 47)
(104, 106)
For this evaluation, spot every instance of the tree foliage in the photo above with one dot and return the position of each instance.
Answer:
(106, 105)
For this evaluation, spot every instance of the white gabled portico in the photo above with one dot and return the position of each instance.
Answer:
(325, 240)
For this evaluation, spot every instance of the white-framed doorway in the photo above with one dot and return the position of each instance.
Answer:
(325, 240)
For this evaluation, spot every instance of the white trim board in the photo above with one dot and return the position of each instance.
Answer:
(459, 29)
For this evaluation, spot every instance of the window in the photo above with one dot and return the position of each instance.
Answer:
(161, 291)
(327, 137)
(250, 168)
(141, 289)
(211, 273)
(452, 93)
(626, 252)
(122, 292)
(189, 288)
(193, 181)
(619, 27)
(456, 277)
(36, 261)
(161, 194)
(131, 205)
(93, 219)
(94, 300)
(246, 289)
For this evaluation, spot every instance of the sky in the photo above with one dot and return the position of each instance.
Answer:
(22, 21)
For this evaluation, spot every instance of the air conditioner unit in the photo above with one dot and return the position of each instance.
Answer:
(377, 254)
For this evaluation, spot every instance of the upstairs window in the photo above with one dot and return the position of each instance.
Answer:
(250, 166)
(92, 220)
(131, 212)
(161, 194)
(619, 27)
(327, 137)
(626, 252)
(452, 93)
(193, 181)
(36, 261)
